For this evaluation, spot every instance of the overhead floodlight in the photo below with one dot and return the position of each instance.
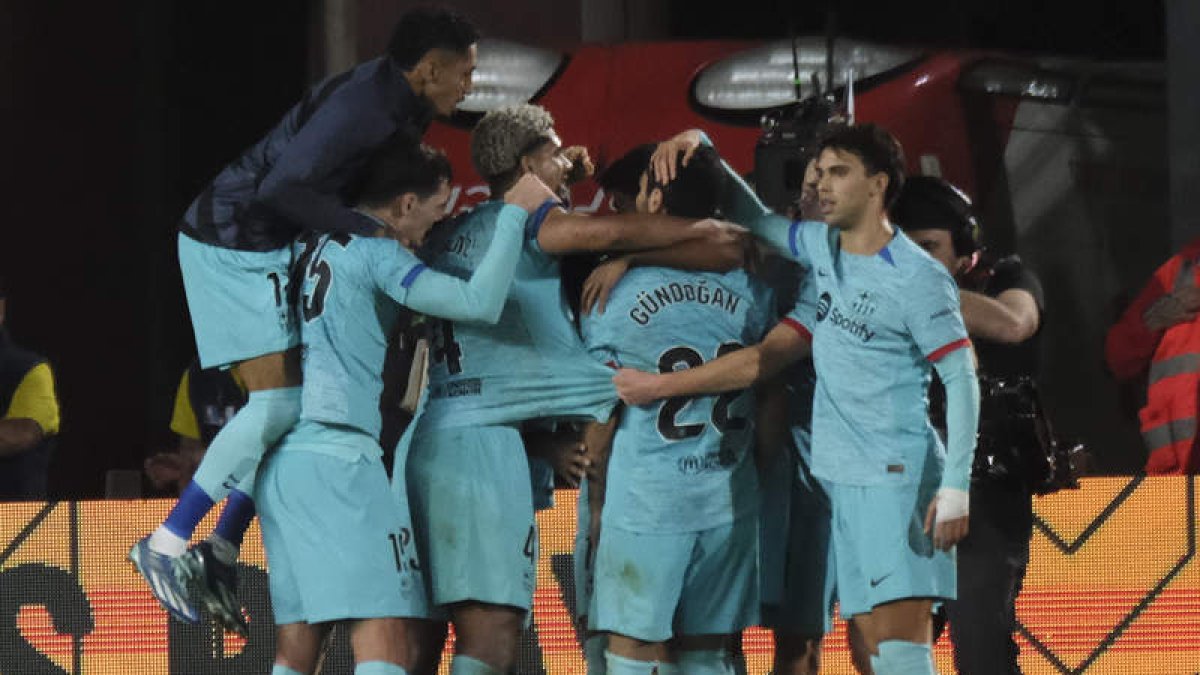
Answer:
(767, 76)
(507, 73)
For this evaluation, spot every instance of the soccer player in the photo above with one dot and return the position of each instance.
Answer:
(795, 560)
(621, 180)
(887, 315)
(339, 542)
(478, 536)
(678, 557)
(234, 253)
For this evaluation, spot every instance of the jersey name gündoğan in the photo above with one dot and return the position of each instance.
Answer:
(683, 464)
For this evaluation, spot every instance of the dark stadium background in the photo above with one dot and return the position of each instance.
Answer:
(115, 113)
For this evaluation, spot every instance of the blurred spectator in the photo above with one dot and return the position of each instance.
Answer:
(1158, 336)
(204, 402)
(30, 421)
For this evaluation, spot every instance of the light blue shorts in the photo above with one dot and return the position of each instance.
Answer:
(656, 586)
(881, 550)
(797, 556)
(238, 301)
(472, 505)
(338, 544)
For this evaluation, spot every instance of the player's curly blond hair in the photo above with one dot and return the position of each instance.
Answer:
(504, 135)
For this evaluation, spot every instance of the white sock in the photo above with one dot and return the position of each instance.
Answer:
(167, 542)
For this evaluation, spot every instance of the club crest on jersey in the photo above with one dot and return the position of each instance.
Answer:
(864, 304)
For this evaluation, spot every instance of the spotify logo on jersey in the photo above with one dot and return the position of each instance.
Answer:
(823, 304)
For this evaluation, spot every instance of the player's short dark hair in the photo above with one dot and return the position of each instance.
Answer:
(401, 165)
(878, 150)
(424, 28)
(929, 203)
(625, 174)
(3, 288)
(698, 188)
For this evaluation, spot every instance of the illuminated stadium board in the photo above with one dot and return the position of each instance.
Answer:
(1113, 587)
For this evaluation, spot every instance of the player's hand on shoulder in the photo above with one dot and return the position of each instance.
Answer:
(529, 193)
(636, 387)
(582, 167)
(600, 283)
(663, 160)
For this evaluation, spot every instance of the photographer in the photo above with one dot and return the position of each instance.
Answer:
(1002, 306)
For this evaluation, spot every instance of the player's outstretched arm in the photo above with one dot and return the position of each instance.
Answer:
(482, 297)
(722, 255)
(948, 514)
(564, 232)
(734, 371)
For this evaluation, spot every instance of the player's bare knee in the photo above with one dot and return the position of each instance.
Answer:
(384, 639)
(298, 644)
(909, 619)
(489, 633)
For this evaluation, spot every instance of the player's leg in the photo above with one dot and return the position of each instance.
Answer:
(382, 646)
(639, 579)
(297, 646)
(242, 317)
(486, 637)
(473, 513)
(342, 534)
(901, 573)
(720, 597)
(899, 637)
(860, 653)
(297, 642)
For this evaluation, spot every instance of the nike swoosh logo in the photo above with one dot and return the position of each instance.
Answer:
(876, 582)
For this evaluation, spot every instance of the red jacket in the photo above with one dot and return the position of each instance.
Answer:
(1172, 357)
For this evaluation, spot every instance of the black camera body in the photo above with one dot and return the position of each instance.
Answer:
(1017, 446)
(789, 140)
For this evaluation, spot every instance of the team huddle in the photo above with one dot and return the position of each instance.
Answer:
(723, 486)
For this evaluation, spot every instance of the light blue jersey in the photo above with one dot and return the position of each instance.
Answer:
(531, 364)
(881, 322)
(352, 293)
(353, 287)
(680, 465)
